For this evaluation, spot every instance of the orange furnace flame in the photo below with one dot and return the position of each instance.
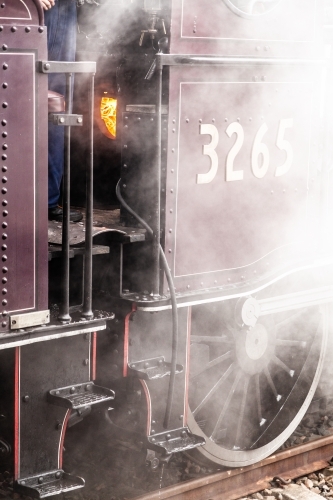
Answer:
(109, 114)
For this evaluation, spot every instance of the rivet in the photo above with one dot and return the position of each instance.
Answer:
(5, 269)
(40, 480)
(4, 157)
(4, 147)
(4, 47)
(4, 236)
(168, 436)
(171, 190)
(4, 180)
(5, 104)
(26, 398)
(86, 362)
(4, 202)
(72, 390)
(4, 258)
(41, 29)
(5, 213)
(62, 120)
(1, 28)
(13, 29)
(58, 475)
(3, 122)
(5, 66)
(4, 168)
(4, 291)
(4, 134)
(170, 251)
(4, 85)
(4, 302)
(3, 324)
(27, 29)
(4, 224)
(4, 280)
(170, 230)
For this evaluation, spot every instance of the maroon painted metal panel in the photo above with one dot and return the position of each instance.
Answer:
(244, 27)
(23, 127)
(242, 173)
(21, 12)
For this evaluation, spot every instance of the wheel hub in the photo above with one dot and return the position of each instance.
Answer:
(254, 349)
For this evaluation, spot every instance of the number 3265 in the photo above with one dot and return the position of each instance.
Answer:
(259, 154)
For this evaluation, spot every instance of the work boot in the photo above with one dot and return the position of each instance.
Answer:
(56, 213)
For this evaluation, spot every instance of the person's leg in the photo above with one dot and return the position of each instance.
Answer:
(61, 39)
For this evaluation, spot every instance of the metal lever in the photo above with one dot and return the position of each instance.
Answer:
(162, 45)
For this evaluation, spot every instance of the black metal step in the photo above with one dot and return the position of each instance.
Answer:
(149, 369)
(79, 395)
(46, 485)
(174, 441)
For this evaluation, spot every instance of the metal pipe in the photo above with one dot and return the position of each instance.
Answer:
(204, 60)
(87, 279)
(157, 208)
(64, 316)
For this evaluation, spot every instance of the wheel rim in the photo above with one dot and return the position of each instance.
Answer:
(250, 388)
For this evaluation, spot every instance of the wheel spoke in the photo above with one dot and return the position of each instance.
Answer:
(288, 320)
(291, 343)
(214, 388)
(215, 362)
(242, 411)
(258, 398)
(282, 365)
(226, 403)
(271, 384)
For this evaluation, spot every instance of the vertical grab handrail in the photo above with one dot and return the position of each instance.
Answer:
(67, 120)
(87, 280)
(64, 316)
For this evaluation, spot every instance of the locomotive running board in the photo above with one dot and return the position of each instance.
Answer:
(174, 441)
(46, 485)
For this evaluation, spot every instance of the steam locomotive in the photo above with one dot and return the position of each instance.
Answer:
(192, 309)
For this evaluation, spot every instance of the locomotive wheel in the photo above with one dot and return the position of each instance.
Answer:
(250, 387)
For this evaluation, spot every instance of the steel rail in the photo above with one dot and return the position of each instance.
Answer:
(236, 483)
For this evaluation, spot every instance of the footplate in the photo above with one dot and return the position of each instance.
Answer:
(150, 369)
(79, 395)
(46, 485)
(175, 441)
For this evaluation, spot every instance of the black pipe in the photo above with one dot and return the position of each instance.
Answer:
(87, 290)
(64, 316)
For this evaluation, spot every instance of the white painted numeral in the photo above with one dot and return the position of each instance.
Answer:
(260, 154)
(230, 173)
(209, 150)
(284, 145)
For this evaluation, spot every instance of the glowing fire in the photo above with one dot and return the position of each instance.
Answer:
(109, 114)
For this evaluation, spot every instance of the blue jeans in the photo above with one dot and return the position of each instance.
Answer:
(61, 41)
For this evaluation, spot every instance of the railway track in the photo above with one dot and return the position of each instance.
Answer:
(233, 484)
